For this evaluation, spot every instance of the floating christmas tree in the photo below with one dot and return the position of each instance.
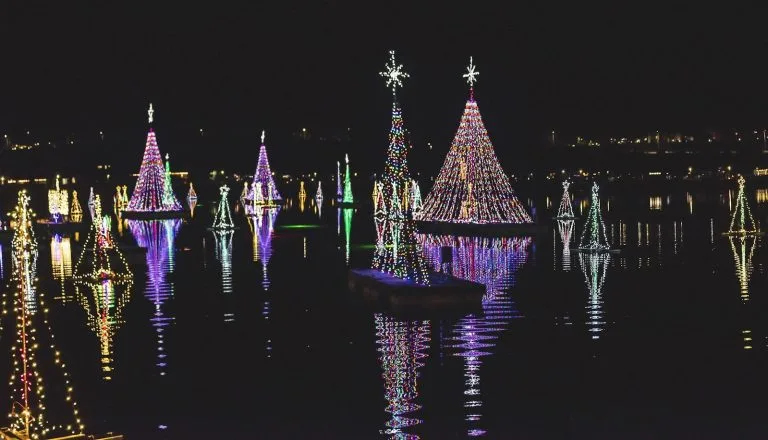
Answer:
(593, 238)
(168, 196)
(399, 253)
(22, 218)
(152, 194)
(263, 187)
(302, 191)
(192, 195)
(58, 203)
(742, 222)
(319, 193)
(471, 186)
(101, 258)
(222, 221)
(565, 211)
(339, 191)
(75, 211)
(348, 198)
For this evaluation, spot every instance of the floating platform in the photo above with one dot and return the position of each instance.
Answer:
(443, 290)
(482, 230)
(153, 215)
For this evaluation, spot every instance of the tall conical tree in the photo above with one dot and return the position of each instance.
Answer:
(565, 211)
(263, 176)
(593, 238)
(471, 186)
(348, 198)
(149, 194)
(742, 221)
(223, 218)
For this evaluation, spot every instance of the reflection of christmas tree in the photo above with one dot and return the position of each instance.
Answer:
(319, 193)
(263, 189)
(61, 263)
(593, 238)
(743, 248)
(398, 252)
(402, 348)
(565, 229)
(594, 267)
(565, 211)
(471, 186)
(742, 221)
(347, 230)
(158, 236)
(223, 254)
(151, 193)
(263, 226)
(35, 355)
(104, 302)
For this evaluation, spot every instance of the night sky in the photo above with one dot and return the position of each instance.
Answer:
(239, 67)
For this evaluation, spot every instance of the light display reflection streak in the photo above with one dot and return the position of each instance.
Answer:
(347, 231)
(61, 263)
(743, 248)
(594, 267)
(223, 253)
(565, 229)
(402, 346)
(262, 226)
(157, 236)
(494, 263)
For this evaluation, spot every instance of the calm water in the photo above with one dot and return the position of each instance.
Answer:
(255, 333)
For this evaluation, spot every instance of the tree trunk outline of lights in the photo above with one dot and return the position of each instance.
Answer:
(149, 194)
(222, 221)
(742, 222)
(29, 390)
(263, 176)
(594, 238)
(471, 186)
(565, 211)
(348, 197)
(104, 253)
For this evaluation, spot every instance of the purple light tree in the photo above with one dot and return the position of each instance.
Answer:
(263, 177)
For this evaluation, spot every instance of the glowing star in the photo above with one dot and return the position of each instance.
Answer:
(262, 136)
(151, 112)
(394, 73)
(471, 73)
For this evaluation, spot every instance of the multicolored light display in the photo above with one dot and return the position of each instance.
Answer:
(58, 203)
(101, 258)
(152, 193)
(263, 189)
(593, 238)
(398, 252)
(471, 186)
(348, 198)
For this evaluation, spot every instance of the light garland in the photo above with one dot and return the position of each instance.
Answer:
(152, 192)
(223, 218)
(742, 221)
(593, 238)
(26, 381)
(263, 190)
(471, 186)
(565, 211)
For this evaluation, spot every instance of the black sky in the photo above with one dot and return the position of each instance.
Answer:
(249, 65)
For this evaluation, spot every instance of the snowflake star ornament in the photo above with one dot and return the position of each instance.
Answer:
(471, 73)
(394, 73)
(151, 113)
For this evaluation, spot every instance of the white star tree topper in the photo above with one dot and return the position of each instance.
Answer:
(262, 136)
(394, 73)
(151, 113)
(471, 73)
(223, 190)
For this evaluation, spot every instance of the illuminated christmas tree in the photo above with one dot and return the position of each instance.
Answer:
(101, 257)
(245, 192)
(223, 218)
(565, 211)
(471, 186)
(263, 190)
(75, 211)
(302, 191)
(348, 198)
(319, 193)
(151, 193)
(593, 238)
(22, 219)
(58, 203)
(742, 222)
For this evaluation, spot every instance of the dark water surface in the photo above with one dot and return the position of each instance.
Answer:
(254, 334)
